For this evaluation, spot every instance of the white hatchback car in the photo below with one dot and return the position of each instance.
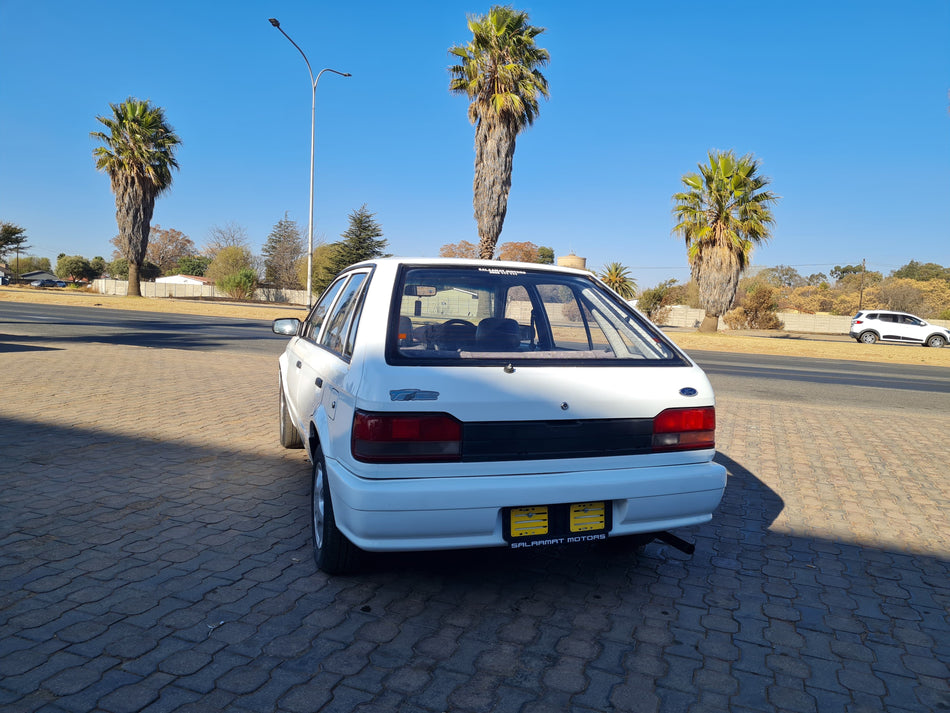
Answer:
(871, 325)
(460, 403)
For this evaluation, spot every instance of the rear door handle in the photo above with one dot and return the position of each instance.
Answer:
(319, 383)
(299, 364)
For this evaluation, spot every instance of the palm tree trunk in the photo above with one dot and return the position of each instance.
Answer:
(135, 289)
(494, 152)
(716, 271)
(710, 323)
(134, 205)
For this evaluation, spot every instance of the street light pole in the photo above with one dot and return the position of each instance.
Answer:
(313, 113)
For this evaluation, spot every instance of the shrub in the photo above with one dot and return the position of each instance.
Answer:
(239, 285)
(655, 302)
(571, 312)
(757, 310)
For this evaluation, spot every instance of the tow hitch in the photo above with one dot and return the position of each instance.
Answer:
(677, 542)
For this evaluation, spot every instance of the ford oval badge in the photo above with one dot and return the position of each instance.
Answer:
(688, 391)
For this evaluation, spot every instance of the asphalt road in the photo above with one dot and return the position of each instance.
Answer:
(35, 323)
(819, 381)
(832, 382)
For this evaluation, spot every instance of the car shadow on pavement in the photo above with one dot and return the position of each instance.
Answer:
(157, 333)
(8, 348)
(138, 571)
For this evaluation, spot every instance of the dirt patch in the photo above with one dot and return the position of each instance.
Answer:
(739, 342)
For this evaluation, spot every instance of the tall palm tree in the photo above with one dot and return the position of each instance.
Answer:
(617, 277)
(723, 213)
(499, 72)
(138, 155)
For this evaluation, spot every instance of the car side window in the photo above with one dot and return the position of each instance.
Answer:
(341, 315)
(354, 324)
(314, 321)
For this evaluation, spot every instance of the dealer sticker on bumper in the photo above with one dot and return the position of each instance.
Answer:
(556, 524)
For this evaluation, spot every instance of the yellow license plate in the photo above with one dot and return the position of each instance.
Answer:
(529, 521)
(588, 516)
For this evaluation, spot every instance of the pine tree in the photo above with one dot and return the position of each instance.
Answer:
(281, 252)
(363, 240)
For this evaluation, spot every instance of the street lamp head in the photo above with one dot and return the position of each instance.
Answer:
(274, 22)
(347, 74)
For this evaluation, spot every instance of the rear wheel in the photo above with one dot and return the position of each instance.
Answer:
(936, 341)
(333, 553)
(868, 337)
(289, 437)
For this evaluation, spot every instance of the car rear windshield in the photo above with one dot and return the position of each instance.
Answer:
(465, 314)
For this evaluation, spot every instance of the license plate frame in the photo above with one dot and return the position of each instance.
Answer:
(561, 523)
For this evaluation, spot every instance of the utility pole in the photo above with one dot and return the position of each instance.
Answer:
(861, 293)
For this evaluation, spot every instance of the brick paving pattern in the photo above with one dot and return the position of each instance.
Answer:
(155, 556)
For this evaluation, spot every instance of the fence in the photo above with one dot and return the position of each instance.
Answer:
(194, 292)
(689, 317)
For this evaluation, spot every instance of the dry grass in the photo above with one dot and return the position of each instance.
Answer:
(780, 343)
(145, 304)
(799, 345)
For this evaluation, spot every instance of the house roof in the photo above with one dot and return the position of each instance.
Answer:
(38, 275)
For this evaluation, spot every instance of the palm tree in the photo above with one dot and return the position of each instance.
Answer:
(617, 277)
(498, 71)
(722, 214)
(138, 155)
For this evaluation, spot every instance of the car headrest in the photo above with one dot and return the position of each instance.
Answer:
(497, 334)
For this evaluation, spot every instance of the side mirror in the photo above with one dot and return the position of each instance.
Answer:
(289, 326)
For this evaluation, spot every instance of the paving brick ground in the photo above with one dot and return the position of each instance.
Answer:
(155, 556)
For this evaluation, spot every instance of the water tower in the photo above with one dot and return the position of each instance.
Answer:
(572, 260)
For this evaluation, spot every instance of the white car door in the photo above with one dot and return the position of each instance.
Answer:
(302, 354)
(325, 360)
(912, 329)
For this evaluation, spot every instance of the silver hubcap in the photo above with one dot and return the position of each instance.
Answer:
(319, 503)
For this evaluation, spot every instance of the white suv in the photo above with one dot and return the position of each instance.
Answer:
(460, 403)
(869, 326)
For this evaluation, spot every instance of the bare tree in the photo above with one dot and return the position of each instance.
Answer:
(230, 235)
(166, 246)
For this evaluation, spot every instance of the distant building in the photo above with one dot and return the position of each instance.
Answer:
(185, 280)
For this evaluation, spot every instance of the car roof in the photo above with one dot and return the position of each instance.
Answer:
(463, 262)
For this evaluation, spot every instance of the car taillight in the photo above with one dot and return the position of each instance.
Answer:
(406, 437)
(858, 321)
(680, 429)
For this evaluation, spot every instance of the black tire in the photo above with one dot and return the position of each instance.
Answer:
(868, 338)
(935, 341)
(289, 436)
(333, 553)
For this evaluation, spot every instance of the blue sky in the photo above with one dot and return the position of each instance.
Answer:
(845, 104)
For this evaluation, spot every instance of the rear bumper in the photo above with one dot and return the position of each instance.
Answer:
(460, 512)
